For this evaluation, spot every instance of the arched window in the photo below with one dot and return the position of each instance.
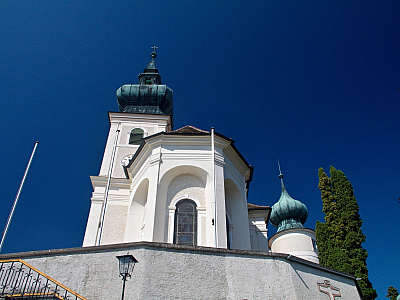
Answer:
(136, 136)
(185, 228)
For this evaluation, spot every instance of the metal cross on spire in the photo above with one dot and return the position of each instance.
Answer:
(154, 54)
(280, 173)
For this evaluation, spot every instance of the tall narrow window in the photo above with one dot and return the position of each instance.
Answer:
(136, 136)
(185, 228)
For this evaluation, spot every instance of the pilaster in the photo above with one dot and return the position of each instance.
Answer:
(220, 221)
(153, 176)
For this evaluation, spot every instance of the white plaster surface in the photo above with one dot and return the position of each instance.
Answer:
(168, 272)
(135, 221)
(258, 231)
(118, 171)
(236, 207)
(295, 241)
(114, 224)
(186, 184)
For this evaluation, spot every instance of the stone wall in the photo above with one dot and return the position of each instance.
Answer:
(167, 271)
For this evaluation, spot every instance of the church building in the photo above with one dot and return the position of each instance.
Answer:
(186, 186)
(176, 199)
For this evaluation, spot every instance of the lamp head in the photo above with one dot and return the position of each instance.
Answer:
(126, 265)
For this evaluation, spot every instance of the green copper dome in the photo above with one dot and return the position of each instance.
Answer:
(287, 212)
(149, 96)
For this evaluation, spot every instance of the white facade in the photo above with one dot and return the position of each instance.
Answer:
(148, 181)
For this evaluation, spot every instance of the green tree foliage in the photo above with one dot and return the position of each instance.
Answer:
(339, 239)
(392, 293)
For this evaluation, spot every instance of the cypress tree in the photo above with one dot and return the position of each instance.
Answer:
(392, 293)
(339, 239)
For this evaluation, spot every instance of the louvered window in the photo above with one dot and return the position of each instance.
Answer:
(136, 136)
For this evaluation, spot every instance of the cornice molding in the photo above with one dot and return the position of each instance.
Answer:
(196, 156)
(129, 117)
(101, 181)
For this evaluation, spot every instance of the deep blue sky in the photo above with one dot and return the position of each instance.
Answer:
(311, 83)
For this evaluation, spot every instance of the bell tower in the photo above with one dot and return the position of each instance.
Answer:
(145, 109)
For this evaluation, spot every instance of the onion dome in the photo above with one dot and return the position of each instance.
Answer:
(149, 96)
(287, 212)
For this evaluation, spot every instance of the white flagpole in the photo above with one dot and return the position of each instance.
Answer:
(17, 198)
(110, 169)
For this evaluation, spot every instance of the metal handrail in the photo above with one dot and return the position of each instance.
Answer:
(19, 280)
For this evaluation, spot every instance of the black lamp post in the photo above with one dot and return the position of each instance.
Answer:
(126, 264)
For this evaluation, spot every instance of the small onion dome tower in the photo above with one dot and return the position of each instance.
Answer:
(289, 215)
(149, 96)
(287, 212)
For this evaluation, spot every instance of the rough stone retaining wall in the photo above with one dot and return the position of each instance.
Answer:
(169, 271)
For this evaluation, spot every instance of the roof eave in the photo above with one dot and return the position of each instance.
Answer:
(231, 142)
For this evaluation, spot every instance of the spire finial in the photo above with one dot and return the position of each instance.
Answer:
(153, 54)
(280, 172)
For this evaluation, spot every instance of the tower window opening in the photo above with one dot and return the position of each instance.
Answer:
(314, 243)
(185, 227)
(136, 136)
